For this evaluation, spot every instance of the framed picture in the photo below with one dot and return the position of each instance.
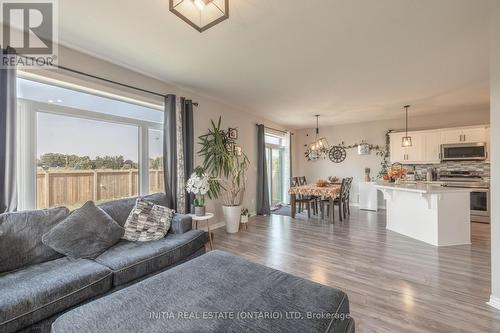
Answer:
(238, 150)
(233, 133)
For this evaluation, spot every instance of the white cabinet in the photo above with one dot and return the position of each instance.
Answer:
(463, 135)
(407, 155)
(432, 151)
(398, 153)
(426, 145)
(451, 136)
(416, 153)
(368, 196)
(474, 135)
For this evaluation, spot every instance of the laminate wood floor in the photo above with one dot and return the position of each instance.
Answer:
(394, 283)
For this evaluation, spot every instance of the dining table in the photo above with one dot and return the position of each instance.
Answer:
(330, 191)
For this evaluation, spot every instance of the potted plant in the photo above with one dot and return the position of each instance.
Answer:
(227, 171)
(245, 215)
(198, 184)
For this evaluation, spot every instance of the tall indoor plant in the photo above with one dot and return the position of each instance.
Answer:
(227, 169)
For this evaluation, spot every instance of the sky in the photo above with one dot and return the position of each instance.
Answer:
(83, 137)
(70, 135)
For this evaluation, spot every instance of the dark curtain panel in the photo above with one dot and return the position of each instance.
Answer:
(8, 101)
(170, 151)
(263, 204)
(188, 144)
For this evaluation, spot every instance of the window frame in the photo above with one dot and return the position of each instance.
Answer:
(27, 147)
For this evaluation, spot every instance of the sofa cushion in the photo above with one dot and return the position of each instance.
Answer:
(181, 224)
(147, 222)
(86, 233)
(157, 199)
(132, 260)
(119, 210)
(216, 292)
(39, 291)
(21, 240)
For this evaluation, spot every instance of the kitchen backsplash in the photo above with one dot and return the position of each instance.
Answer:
(482, 167)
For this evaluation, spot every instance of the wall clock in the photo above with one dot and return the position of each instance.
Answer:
(337, 154)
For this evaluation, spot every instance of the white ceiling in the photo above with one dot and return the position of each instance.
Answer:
(286, 60)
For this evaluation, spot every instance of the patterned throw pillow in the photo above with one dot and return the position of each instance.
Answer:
(147, 222)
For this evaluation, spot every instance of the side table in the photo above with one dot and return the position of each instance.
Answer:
(206, 218)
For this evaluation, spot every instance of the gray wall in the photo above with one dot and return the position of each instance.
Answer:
(495, 161)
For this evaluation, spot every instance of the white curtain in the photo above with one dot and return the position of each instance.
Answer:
(287, 138)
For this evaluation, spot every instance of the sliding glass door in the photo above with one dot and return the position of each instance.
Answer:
(277, 167)
(275, 171)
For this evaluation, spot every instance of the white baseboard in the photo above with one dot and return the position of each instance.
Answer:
(218, 225)
(213, 226)
(356, 204)
(494, 302)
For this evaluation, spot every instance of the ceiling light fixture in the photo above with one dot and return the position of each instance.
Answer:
(406, 139)
(200, 4)
(319, 145)
(201, 14)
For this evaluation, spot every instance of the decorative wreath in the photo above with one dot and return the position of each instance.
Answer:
(337, 154)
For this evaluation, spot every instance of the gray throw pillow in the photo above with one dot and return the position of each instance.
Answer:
(21, 237)
(147, 222)
(86, 233)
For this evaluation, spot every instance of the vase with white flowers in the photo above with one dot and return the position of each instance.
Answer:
(199, 185)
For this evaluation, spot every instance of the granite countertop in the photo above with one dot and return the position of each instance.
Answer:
(423, 188)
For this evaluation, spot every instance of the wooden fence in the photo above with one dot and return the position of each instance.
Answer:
(72, 188)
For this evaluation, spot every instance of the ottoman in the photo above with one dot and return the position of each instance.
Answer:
(216, 292)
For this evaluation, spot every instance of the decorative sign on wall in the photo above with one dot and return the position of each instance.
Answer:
(338, 153)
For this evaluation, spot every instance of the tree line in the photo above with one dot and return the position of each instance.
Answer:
(66, 161)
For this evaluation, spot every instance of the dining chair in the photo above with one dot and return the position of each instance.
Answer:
(339, 201)
(303, 200)
(347, 197)
(315, 199)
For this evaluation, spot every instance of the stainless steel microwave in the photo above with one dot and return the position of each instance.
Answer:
(464, 152)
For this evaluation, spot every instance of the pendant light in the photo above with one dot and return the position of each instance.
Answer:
(200, 14)
(406, 139)
(319, 145)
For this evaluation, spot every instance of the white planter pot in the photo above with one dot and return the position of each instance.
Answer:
(232, 218)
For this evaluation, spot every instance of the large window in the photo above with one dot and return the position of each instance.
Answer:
(156, 180)
(77, 146)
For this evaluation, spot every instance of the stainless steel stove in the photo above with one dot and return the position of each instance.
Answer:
(479, 198)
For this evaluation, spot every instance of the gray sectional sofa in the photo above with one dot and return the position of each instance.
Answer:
(233, 295)
(37, 284)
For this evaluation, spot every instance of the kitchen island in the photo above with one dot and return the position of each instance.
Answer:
(428, 212)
